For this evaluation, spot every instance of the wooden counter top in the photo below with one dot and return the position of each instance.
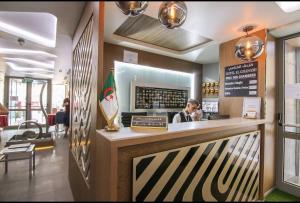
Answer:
(128, 136)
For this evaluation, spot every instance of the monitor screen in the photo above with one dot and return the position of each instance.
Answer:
(210, 106)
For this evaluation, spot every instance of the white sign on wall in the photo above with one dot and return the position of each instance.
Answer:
(130, 57)
(251, 107)
(292, 91)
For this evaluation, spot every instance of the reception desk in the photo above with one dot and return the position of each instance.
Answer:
(215, 160)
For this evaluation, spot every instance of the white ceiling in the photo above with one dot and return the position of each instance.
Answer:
(68, 13)
(218, 20)
(39, 18)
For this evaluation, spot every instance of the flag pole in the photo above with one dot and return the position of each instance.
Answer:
(110, 121)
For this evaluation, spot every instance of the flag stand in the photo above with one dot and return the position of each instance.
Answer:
(108, 103)
(111, 126)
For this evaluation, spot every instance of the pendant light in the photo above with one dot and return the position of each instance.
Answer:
(248, 48)
(172, 14)
(132, 8)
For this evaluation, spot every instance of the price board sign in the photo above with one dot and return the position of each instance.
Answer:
(241, 80)
(156, 122)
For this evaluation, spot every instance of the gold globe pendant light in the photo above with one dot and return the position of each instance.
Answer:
(132, 8)
(172, 14)
(248, 48)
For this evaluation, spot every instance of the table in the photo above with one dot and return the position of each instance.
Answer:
(51, 119)
(3, 121)
(19, 152)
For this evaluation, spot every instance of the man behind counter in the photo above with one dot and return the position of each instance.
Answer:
(190, 113)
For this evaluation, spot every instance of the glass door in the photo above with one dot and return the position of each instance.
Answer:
(17, 101)
(288, 166)
(24, 101)
(35, 107)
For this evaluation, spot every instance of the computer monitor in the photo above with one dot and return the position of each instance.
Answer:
(210, 106)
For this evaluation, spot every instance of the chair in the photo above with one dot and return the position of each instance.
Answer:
(171, 116)
(59, 119)
(126, 117)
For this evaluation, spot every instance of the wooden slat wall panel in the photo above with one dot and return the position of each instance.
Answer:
(149, 30)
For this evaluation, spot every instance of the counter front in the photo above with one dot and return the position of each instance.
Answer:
(216, 160)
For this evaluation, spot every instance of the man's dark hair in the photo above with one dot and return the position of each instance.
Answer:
(193, 101)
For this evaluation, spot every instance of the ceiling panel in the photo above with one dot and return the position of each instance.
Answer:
(149, 30)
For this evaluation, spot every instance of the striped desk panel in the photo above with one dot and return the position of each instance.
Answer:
(221, 170)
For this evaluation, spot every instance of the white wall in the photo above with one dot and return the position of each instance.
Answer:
(210, 72)
(63, 61)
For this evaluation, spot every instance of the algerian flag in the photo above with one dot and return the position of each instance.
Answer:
(108, 99)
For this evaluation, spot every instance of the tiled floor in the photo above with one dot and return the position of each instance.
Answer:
(49, 182)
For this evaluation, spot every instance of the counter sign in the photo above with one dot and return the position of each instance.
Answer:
(241, 80)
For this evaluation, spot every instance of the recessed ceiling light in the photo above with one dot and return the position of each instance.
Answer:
(288, 6)
(26, 52)
(49, 65)
(25, 69)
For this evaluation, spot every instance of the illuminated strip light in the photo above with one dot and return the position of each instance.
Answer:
(28, 35)
(13, 66)
(43, 75)
(33, 62)
(25, 52)
(288, 6)
(193, 86)
(43, 148)
(19, 68)
(141, 67)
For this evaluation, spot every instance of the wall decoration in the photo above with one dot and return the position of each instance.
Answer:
(241, 80)
(221, 170)
(81, 108)
(160, 98)
(210, 89)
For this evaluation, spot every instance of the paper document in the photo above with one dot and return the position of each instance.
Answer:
(252, 104)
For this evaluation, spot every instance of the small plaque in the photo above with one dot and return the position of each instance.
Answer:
(157, 122)
(130, 57)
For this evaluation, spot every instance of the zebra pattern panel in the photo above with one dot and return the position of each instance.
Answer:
(81, 108)
(221, 170)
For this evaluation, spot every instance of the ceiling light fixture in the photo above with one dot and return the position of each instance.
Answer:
(27, 35)
(172, 14)
(43, 75)
(288, 6)
(49, 65)
(132, 8)
(249, 47)
(25, 69)
(26, 52)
